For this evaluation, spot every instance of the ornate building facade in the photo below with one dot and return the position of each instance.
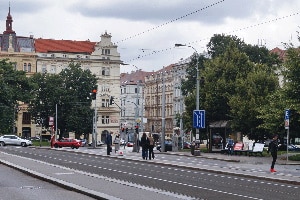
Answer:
(101, 58)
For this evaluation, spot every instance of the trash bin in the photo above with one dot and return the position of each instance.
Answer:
(193, 149)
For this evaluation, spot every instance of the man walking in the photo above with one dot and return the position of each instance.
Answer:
(273, 148)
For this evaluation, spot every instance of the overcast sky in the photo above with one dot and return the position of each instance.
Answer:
(146, 31)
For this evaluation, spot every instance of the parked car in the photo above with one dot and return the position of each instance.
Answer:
(187, 145)
(67, 142)
(14, 140)
(99, 143)
(129, 144)
(291, 147)
(168, 146)
(83, 142)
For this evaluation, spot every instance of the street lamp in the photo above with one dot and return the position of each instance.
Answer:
(197, 85)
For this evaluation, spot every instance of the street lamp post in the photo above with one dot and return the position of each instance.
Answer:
(197, 85)
(163, 110)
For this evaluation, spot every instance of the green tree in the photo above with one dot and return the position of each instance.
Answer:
(233, 85)
(69, 91)
(15, 87)
(272, 113)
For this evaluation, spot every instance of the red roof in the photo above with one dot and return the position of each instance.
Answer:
(70, 46)
(279, 52)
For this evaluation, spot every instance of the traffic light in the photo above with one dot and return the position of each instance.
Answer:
(94, 94)
(111, 100)
(126, 130)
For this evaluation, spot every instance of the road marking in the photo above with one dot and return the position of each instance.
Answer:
(64, 173)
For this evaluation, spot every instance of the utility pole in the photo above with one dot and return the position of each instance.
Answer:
(197, 87)
(136, 133)
(94, 140)
(163, 119)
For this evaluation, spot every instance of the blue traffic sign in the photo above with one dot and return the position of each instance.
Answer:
(287, 114)
(199, 119)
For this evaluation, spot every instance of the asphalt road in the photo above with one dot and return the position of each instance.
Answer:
(189, 183)
(15, 185)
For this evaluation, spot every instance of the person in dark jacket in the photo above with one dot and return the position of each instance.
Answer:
(273, 148)
(145, 145)
(151, 146)
(108, 142)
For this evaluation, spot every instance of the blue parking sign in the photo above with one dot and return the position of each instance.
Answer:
(199, 119)
(287, 114)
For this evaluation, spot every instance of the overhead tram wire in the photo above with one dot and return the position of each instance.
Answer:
(169, 22)
(230, 32)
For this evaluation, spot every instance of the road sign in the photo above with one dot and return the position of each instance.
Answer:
(199, 119)
(287, 118)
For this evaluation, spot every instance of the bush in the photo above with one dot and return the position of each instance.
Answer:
(295, 157)
(37, 143)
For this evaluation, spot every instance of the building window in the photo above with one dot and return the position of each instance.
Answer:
(105, 103)
(105, 51)
(29, 67)
(25, 67)
(26, 119)
(105, 119)
(44, 69)
(105, 71)
(105, 88)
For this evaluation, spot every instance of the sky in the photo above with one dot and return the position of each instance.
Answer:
(146, 31)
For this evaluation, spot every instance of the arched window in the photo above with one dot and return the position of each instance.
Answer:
(29, 67)
(25, 67)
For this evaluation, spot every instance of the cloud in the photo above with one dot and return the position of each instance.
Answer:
(152, 25)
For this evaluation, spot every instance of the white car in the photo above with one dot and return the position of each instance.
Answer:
(99, 143)
(14, 140)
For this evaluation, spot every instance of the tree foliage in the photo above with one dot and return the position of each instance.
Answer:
(14, 87)
(69, 92)
(287, 97)
(237, 79)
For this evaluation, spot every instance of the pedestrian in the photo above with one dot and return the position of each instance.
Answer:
(151, 146)
(230, 145)
(273, 148)
(145, 145)
(117, 143)
(108, 142)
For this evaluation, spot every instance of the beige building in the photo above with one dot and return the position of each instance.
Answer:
(154, 100)
(101, 58)
(20, 51)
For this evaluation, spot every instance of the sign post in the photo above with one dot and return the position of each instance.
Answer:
(198, 120)
(287, 127)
